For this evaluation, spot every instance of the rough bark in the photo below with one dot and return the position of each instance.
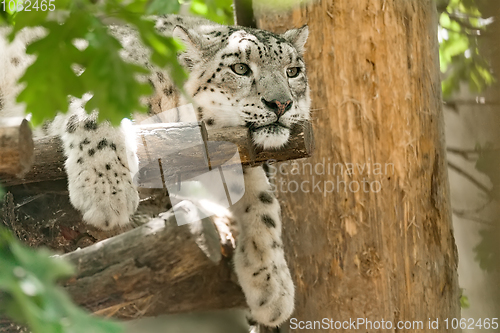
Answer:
(155, 269)
(386, 251)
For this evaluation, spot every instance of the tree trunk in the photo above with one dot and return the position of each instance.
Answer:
(367, 221)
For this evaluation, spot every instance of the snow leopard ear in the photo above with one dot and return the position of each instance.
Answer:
(297, 37)
(193, 43)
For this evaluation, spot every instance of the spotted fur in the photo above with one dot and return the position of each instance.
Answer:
(237, 77)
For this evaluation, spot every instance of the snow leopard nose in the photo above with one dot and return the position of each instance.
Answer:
(278, 107)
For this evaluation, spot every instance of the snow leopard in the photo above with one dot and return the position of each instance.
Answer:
(238, 76)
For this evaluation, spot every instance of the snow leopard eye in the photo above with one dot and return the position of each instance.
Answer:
(292, 72)
(241, 69)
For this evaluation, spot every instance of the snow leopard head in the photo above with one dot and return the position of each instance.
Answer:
(244, 76)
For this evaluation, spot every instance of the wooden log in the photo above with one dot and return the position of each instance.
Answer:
(180, 146)
(384, 252)
(155, 269)
(16, 146)
(62, 228)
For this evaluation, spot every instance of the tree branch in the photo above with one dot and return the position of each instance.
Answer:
(465, 153)
(477, 219)
(464, 21)
(180, 146)
(470, 178)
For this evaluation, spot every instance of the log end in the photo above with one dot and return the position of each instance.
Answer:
(16, 146)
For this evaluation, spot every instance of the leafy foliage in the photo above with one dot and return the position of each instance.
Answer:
(219, 11)
(488, 251)
(116, 92)
(49, 83)
(460, 26)
(29, 294)
(102, 62)
(112, 81)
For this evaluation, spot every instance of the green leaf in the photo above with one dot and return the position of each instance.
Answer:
(488, 251)
(459, 22)
(31, 297)
(159, 7)
(164, 49)
(50, 79)
(219, 11)
(112, 81)
(6, 18)
(27, 19)
(137, 7)
(464, 302)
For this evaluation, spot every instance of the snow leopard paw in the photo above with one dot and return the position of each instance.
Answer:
(100, 162)
(103, 192)
(105, 195)
(268, 287)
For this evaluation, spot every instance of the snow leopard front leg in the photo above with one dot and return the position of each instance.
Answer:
(100, 163)
(259, 257)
